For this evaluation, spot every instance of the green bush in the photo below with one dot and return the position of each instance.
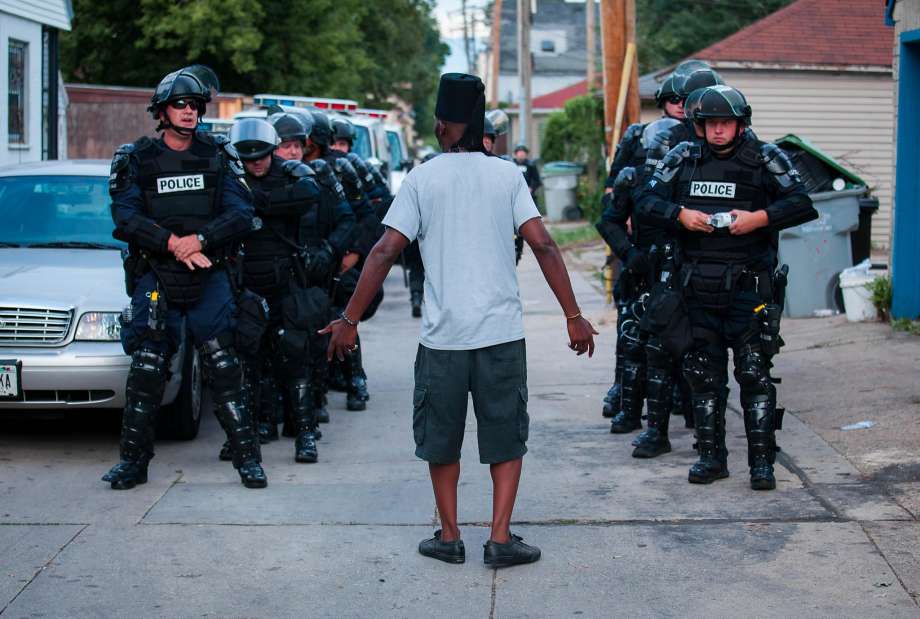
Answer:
(577, 134)
(881, 296)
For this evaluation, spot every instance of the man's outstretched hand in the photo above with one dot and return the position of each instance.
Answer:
(343, 340)
(581, 336)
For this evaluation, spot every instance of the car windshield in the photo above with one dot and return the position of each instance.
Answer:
(65, 211)
(362, 145)
(396, 154)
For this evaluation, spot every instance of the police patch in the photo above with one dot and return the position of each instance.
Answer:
(708, 189)
(172, 184)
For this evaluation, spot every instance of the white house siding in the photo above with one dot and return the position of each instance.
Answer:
(12, 27)
(846, 114)
(55, 13)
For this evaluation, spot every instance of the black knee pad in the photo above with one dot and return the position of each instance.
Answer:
(701, 372)
(224, 369)
(752, 372)
(148, 374)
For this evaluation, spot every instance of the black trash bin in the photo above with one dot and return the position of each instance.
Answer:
(861, 238)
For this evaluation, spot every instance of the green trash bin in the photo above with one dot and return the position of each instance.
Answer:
(818, 251)
(560, 183)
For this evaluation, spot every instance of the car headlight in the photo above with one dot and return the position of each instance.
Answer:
(99, 326)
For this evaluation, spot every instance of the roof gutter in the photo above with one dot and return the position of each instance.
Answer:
(793, 66)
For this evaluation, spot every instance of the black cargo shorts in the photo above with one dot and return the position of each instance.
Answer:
(497, 378)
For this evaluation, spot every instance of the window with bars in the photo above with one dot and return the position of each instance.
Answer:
(18, 58)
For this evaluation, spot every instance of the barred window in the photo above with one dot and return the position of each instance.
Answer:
(18, 57)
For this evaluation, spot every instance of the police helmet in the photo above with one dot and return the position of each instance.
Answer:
(522, 147)
(499, 121)
(690, 66)
(692, 102)
(253, 138)
(698, 79)
(668, 90)
(291, 126)
(488, 129)
(722, 102)
(342, 129)
(192, 82)
(322, 128)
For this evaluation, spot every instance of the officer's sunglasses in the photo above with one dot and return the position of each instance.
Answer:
(675, 99)
(181, 104)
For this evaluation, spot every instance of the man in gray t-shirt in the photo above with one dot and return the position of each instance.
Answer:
(465, 207)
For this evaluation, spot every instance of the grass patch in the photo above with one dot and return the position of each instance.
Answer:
(907, 325)
(567, 237)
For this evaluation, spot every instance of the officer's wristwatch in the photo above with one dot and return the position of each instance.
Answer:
(202, 241)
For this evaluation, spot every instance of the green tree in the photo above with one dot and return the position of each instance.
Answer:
(334, 48)
(577, 134)
(667, 30)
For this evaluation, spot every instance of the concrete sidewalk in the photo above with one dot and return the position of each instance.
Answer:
(621, 537)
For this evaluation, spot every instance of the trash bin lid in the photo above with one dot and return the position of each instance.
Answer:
(851, 179)
(562, 168)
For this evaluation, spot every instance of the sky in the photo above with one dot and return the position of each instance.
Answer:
(450, 22)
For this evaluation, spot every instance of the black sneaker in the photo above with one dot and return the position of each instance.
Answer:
(515, 552)
(449, 552)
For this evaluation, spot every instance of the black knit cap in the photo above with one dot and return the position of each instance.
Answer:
(462, 99)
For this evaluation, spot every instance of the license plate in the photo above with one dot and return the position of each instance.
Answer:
(10, 379)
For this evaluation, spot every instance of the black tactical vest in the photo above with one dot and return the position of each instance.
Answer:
(268, 252)
(180, 187)
(718, 186)
(181, 194)
(318, 223)
(718, 261)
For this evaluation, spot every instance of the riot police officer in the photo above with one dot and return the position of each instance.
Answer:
(726, 199)
(632, 244)
(366, 233)
(344, 135)
(295, 131)
(277, 265)
(689, 78)
(180, 203)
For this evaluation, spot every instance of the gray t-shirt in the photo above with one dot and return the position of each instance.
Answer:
(464, 209)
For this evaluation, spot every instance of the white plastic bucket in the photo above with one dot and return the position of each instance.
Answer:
(857, 298)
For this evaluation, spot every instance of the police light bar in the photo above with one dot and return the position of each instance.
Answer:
(381, 114)
(322, 103)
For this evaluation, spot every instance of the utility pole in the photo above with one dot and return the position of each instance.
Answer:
(621, 92)
(525, 66)
(591, 44)
(496, 51)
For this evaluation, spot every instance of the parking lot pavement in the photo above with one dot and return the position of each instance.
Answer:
(621, 537)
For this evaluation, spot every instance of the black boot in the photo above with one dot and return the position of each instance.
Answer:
(416, 300)
(144, 391)
(710, 437)
(268, 410)
(319, 406)
(357, 389)
(612, 399)
(305, 420)
(629, 418)
(654, 441)
(760, 427)
(223, 369)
